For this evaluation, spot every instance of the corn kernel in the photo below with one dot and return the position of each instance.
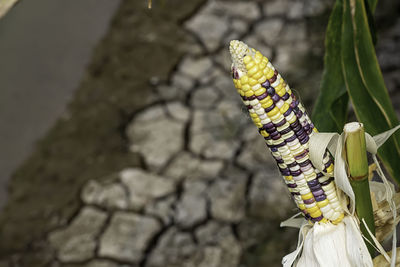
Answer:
(312, 209)
(252, 82)
(316, 214)
(260, 91)
(258, 75)
(339, 219)
(269, 74)
(246, 87)
(267, 104)
(273, 112)
(249, 93)
(253, 70)
(322, 203)
(247, 59)
(329, 169)
(264, 133)
(250, 64)
(307, 196)
(244, 79)
(262, 79)
(284, 108)
(302, 206)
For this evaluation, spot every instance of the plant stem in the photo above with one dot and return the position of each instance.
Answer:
(356, 157)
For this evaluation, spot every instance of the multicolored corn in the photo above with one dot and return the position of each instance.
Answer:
(286, 128)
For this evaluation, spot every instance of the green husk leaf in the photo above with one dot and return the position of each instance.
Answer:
(364, 82)
(330, 111)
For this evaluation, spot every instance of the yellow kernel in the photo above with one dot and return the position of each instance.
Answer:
(256, 120)
(258, 55)
(289, 91)
(249, 93)
(238, 84)
(284, 108)
(258, 75)
(253, 70)
(244, 79)
(264, 133)
(259, 125)
(273, 112)
(329, 169)
(289, 178)
(312, 209)
(267, 104)
(269, 74)
(307, 196)
(280, 92)
(262, 65)
(247, 59)
(265, 100)
(315, 130)
(338, 220)
(262, 79)
(260, 91)
(323, 203)
(324, 220)
(241, 92)
(246, 87)
(253, 115)
(302, 206)
(250, 64)
(316, 214)
(253, 82)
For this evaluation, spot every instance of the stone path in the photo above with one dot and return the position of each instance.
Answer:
(209, 194)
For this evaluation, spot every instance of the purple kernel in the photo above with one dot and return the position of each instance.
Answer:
(294, 193)
(281, 144)
(318, 192)
(317, 219)
(276, 137)
(273, 79)
(286, 130)
(298, 157)
(268, 109)
(285, 96)
(315, 187)
(300, 132)
(270, 91)
(294, 124)
(306, 127)
(309, 201)
(282, 122)
(297, 128)
(292, 185)
(249, 107)
(313, 182)
(320, 198)
(279, 161)
(265, 84)
(296, 173)
(261, 97)
(287, 113)
(305, 163)
(293, 164)
(269, 125)
(285, 172)
(290, 139)
(273, 149)
(251, 97)
(327, 181)
(304, 140)
(274, 132)
(275, 98)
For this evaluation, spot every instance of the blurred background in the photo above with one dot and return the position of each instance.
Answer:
(124, 143)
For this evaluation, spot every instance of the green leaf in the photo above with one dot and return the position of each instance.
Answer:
(330, 111)
(364, 82)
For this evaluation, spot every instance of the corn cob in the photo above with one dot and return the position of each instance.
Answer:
(283, 122)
